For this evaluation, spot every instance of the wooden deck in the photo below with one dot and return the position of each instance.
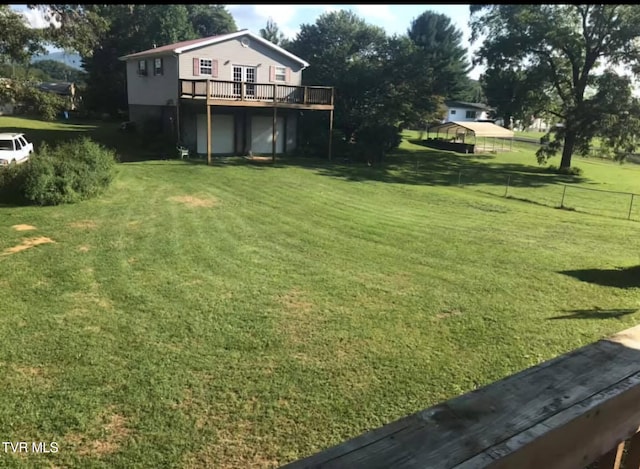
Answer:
(563, 414)
(230, 93)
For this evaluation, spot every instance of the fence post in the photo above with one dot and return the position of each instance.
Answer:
(506, 189)
(460, 178)
(630, 207)
(564, 191)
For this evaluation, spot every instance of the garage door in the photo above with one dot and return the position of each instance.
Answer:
(262, 135)
(221, 132)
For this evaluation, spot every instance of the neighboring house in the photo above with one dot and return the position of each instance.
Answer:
(461, 111)
(223, 94)
(66, 90)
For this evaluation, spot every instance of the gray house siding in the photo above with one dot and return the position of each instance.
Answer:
(153, 90)
(232, 52)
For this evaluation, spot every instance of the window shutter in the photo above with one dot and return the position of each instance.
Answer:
(214, 68)
(196, 66)
(287, 75)
(272, 73)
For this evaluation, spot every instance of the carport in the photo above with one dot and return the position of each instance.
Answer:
(464, 136)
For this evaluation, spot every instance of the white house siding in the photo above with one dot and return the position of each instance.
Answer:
(231, 52)
(460, 114)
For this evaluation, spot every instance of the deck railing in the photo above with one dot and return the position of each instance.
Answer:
(568, 413)
(220, 90)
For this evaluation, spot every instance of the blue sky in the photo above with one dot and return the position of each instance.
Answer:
(395, 19)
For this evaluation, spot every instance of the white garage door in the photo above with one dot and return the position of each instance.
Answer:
(221, 133)
(262, 135)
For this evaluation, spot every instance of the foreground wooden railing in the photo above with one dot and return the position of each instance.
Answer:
(225, 92)
(566, 413)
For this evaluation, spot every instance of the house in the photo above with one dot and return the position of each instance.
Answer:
(229, 94)
(64, 89)
(461, 111)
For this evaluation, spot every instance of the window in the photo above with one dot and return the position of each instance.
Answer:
(157, 67)
(281, 74)
(6, 145)
(206, 67)
(142, 67)
(18, 145)
(23, 141)
(453, 111)
(471, 115)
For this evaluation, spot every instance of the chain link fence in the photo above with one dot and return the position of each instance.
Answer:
(625, 205)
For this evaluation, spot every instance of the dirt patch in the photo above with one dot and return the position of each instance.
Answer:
(84, 248)
(84, 224)
(194, 201)
(236, 447)
(297, 322)
(113, 431)
(448, 313)
(23, 227)
(294, 301)
(28, 243)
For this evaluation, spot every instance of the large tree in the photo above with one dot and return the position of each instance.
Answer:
(381, 83)
(563, 45)
(442, 53)
(18, 42)
(514, 94)
(271, 32)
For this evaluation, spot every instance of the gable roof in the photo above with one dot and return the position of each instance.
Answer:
(464, 104)
(479, 129)
(186, 46)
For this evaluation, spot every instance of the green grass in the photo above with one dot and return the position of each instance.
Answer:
(245, 316)
(529, 134)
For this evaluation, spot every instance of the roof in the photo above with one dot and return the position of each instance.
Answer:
(479, 129)
(464, 104)
(9, 135)
(56, 87)
(186, 46)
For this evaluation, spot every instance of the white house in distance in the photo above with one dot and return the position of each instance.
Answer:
(461, 111)
(229, 94)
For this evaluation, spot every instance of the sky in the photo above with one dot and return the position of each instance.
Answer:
(395, 19)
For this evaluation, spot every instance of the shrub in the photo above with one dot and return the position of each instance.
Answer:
(72, 171)
(46, 105)
(11, 184)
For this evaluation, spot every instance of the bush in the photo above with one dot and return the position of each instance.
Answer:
(71, 172)
(11, 184)
(46, 105)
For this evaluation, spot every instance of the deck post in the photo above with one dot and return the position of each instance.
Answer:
(330, 132)
(243, 92)
(209, 143)
(305, 97)
(274, 135)
(208, 124)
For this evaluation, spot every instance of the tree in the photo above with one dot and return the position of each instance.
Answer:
(514, 94)
(379, 83)
(18, 42)
(210, 20)
(272, 33)
(563, 45)
(441, 53)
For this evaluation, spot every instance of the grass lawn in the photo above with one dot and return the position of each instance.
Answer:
(533, 134)
(245, 316)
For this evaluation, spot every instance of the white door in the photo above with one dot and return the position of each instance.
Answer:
(247, 74)
(262, 134)
(222, 130)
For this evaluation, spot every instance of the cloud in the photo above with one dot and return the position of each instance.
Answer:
(35, 18)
